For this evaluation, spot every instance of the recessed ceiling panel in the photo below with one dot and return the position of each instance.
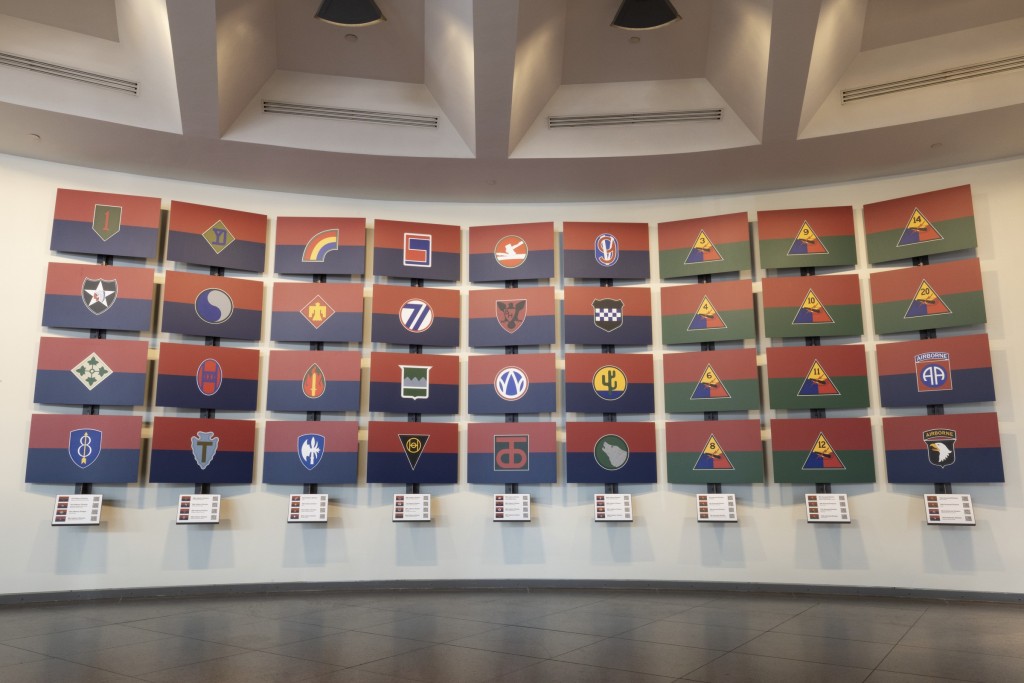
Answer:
(97, 18)
(891, 23)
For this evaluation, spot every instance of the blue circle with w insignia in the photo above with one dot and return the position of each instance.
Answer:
(511, 383)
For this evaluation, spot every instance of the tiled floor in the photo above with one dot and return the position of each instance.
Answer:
(513, 636)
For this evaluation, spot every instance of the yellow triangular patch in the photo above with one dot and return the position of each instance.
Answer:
(817, 374)
(926, 294)
(811, 302)
(807, 233)
(712, 448)
(703, 242)
(822, 446)
(707, 309)
(918, 221)
(710, 377)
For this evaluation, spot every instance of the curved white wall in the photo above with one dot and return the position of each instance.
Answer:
(139, 545)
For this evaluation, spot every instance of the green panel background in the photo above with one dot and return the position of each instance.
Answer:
(782, 393)
(740, 326)
(744, 394)
(849, 322)
(787, 468)
(957, 234)
(736, 257)
(967, 309)
(749, 468)
(842, 252)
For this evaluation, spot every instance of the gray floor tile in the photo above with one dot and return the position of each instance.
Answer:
(249, 666)
(736, 667)
(530, 642)
(86, 639)
(638, 608)
(844, 627)
(893, 677)
(773, 604)
(349, 617)
(58, 670)
(355, 676)
(692, 635)
(153, 655)
(494, 612)
(814, 649)
(643, 657)
(587, 623)
(431, 628)
(24, 621)
(904, 616)
(348, 648)
(736, 617)
(957, 665)
(9, 656)
(979, 618)
(449, 664)
(269, 633)
(200, 625)
(124, 611)
(567, 672)
(958, 638)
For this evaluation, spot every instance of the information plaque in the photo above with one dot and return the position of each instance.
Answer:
(199, 508)
(411, 507)
(716, 507)
(307, 507)
(949, 508)
(613, 507)
(77, 510)
(511, 507)
(827, 508)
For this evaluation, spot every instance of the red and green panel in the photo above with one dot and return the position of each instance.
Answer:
(921, 224)
(928, 297)
(817, 377)
(815, 306)
(724, 452)
(804, 238)
(706, 312)
(702, 246)
(825, 451)
(704, 381)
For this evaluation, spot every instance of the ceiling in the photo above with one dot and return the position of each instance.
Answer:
(491, 73)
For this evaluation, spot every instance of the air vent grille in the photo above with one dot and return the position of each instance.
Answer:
(61, 71)
(938, 78)
(634, 118)
(388, 118)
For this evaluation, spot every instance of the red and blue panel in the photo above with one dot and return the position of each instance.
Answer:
(320, 246)
(936, 371)
(212, 236)
(425, 316)
(77, 449)
(93, 297)
(610, 453)
(424, 251)
(606, 250)
(192, 450)
(608, 315)
(317, 312)
(105, 223)
(925, 449)
(103, 372)
(210, 306)
(524, 316)
(511, 453)
(207, 377)
(412, 453)
(310, 452)
(519, 383)
(525, 251)
(609, 383)
(306, 381)
(414, 383)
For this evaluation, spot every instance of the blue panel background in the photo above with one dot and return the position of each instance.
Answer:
(54, 466)
(393, 468)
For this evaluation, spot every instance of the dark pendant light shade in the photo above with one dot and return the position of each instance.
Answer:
(350, 12)
(639, 15)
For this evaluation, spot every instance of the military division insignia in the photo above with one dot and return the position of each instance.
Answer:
(209, 377)
(311, 449)
(106, 221)
(941, 446)
(320, 245)
(710, 386)
(823, 456)
(418, 249)
(511, 313)
(703, 250)
(317, 312)
(918, 230)
(812, 311)
(610, 383)
(214, 306)
(706, 317)
(204, 447)
(416, 315)
(608, 314)
(84, 446)
(511, 251)
(512, 453)
(926, 302)
(314, 382)
(933, 372)
(611, 452)
(818, 383)
(218, 237)
(415, 381)
(606, 249)
(712, 457)
(806, 242)
(99, 295)
(413, 445)
(91, 371)
(511, 383)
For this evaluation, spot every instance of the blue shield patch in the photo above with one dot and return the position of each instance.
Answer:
(311, 450)
(84, 446)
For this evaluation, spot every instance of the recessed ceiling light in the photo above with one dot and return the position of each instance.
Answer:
(351, 37)
(350, 12)
(641, 15)
(34, 137)
(634, 39)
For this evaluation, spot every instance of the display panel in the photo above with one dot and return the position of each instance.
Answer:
(105, 223)
(213, 236)
(936, 371)
(424, 316)
(88, 297)
(609, 383)
(412, 453)
(74, 449)
(209, 306)
(317, 312)
(417, 250)
(823, 451)
(921, 224)
(511, 453)
(516, 383)
(608, 315)
(104, 372)
(717, 311)
(302, 381)
(320, 246)
(606, 250)
(812, 377)
(815, 306)
(524, 251)
(714, 451)
(207, 377)
(962, 448)
(523, 316)
(191, 450)
(610, 453)
(702, 381)
(806, 238)
(310, 452)
(703, 246)
(928, 297)
(414, 383)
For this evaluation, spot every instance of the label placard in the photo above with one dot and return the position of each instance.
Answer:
(827, 508)
(77, 510)
(511, 507)
(716, 507)
(196, 508)
(307, 507)
(949, 508)
(411, 507)
(613, 507)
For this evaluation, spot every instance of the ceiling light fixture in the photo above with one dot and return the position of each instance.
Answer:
(350, 12)
(641, 15)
